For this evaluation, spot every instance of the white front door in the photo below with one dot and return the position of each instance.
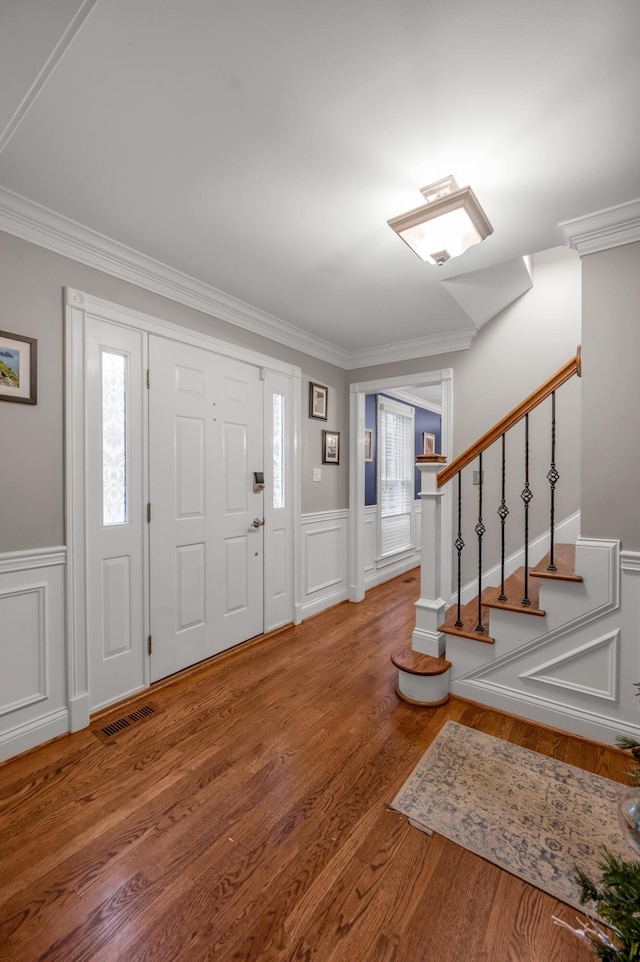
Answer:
(206, 568)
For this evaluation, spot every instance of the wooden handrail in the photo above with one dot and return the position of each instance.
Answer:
(564, 374)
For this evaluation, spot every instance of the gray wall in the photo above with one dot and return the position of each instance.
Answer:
(509, 358)
(611, 395)
(31, 480)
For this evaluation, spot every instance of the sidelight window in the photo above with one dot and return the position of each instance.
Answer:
(114, 438)
(278, 451)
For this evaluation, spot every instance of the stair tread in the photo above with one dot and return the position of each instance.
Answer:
(564, 559)
(469, 619)
(514, 590)
(416, 663)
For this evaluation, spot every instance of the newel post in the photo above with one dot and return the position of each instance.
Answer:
(430, 608)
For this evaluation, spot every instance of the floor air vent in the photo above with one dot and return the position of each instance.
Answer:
(109, 731)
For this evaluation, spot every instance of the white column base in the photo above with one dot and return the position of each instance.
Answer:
(426, 638)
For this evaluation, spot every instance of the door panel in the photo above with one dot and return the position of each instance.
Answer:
(206, 559)
(115, 523)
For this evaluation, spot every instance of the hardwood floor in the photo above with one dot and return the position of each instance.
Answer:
(245, 819)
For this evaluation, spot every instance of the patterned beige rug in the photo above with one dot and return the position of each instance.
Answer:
(529, 814)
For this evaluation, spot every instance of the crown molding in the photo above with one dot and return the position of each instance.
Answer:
(45, 228)
(41, 226)
(603, 229)
(407, 350)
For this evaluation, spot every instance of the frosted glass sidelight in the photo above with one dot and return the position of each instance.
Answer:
(114, 438)
(278, 451)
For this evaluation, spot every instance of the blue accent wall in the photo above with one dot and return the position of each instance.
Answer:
(426, 422)
(370, 481)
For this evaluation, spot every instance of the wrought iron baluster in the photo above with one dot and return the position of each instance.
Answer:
(553, 477)
(480, 530)
(503, 511)
(459, 545)
(526, 497)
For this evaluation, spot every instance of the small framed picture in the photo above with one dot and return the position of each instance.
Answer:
(428, 444)
(18, 368)
(368, 444)
(318, 401)
(331, 447)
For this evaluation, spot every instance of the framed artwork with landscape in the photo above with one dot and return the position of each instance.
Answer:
(18, 368)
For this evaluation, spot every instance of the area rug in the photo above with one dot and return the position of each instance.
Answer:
(531, 815)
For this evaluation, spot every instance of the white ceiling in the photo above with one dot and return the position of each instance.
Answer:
(260, 147)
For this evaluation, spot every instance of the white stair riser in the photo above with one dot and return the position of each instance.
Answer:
(427, 689)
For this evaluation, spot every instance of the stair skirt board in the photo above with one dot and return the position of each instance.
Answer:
(567, 669)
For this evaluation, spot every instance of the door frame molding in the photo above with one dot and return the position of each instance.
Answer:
(77, 305)
(357, 393)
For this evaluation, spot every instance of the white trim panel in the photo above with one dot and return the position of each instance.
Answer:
(32, 649)
(324, 541)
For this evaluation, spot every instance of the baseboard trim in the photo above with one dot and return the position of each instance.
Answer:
(311, 608)
(565, 718)
(392, 571)
(32, 734)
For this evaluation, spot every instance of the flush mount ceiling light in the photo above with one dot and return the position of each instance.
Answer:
(448, 223)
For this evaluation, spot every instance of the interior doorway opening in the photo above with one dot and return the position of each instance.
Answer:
(432, 389)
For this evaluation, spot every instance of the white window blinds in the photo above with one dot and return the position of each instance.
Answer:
(395, 477)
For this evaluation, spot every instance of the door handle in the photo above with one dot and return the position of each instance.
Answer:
(257, 523)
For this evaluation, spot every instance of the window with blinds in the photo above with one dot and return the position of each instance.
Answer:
(396, 459)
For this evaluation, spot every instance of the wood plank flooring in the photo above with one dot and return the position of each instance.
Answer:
(246, 819)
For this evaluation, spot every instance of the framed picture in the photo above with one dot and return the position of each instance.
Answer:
(331, 447)
(18, 370)
(428, 444)
(318, 401)
(368, 444)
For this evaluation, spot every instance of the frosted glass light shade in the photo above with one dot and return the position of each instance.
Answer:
(445, 226)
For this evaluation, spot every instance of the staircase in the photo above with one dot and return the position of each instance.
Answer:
(455, 643)
(424, 679)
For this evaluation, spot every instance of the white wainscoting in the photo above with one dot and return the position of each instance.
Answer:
(323, 562)
(376, 572)
(33, 705)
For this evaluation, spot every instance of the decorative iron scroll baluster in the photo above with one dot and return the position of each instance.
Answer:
(503, 511)
(480, 530)
(459, 545)
(526, 497)
(553, 477)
